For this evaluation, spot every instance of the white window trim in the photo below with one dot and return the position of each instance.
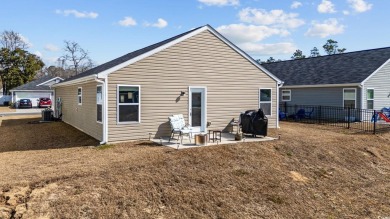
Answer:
(373, 99)
(265, 88)
(354, 97)
(289, 95)
(117, 104)
(101, 86)
(80, 95)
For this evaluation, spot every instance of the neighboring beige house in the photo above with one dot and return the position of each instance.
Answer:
(199, 74)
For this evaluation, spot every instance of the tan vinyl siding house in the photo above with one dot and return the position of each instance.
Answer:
(81, 116)
(167, 79)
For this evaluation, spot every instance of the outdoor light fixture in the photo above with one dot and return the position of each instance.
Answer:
(182, 93)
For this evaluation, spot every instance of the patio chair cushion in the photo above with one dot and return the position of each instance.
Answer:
(177, 122)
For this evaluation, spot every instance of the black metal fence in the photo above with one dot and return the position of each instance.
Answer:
(363, 120)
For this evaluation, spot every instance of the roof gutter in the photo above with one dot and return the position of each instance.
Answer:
(323, 85)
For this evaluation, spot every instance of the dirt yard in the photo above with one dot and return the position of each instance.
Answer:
(20, 133)
(6, 109)
(311, 172)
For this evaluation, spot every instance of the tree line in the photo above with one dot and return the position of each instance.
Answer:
(18, 66)
(330, 48)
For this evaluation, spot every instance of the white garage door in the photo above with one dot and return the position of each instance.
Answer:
(33, 96)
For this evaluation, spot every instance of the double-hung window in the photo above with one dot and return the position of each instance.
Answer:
(80, 96)
(349, 97)
(99, 103)
(265, 101)
(370, 98)
(128, 103)
(286, 95)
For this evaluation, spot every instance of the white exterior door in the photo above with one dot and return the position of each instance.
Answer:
(197, 109)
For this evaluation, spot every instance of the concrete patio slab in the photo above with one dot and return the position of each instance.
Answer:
(227, 138)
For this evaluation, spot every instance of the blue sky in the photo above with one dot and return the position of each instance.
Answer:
(262, 28)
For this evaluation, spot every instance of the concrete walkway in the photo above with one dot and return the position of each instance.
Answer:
(31, 111)
(227, 138)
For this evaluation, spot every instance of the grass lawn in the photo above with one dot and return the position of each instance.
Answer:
(311, 172)
(6, 109)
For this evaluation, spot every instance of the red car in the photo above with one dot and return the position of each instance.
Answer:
(44, 102)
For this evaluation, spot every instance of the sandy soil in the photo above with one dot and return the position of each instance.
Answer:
(311, 172)
(6, 109)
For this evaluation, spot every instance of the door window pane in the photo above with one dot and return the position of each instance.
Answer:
(196, 102)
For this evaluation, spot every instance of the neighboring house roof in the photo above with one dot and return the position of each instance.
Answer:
(346, 68)
(38, 84)
(144, 52)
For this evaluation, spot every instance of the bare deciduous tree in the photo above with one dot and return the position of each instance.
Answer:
(12, 40)
(76, 58)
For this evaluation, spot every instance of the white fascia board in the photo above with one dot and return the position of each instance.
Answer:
(322, 85)
(76, 81)
(50, 80)
(375, 72)
(246, 56)
(104, 74)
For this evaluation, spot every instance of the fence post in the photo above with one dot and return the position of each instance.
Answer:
(319, 114)
(349, 117)
(285, 108)
(375, 119)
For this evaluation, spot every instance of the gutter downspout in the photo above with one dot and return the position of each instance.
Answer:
(104, 110)
(277, 103)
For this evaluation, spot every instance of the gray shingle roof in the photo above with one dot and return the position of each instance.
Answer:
(346, 68)
(127, 57)
(32, 85)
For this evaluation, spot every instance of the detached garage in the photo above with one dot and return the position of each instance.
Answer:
(35, 89)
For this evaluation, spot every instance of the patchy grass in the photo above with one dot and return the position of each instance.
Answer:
(105, 146)
(328, 175)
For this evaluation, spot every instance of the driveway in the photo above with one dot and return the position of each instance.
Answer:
(27, 111)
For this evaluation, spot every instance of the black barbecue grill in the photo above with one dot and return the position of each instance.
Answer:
(254, 122)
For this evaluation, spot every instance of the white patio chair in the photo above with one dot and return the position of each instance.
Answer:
(178, 126)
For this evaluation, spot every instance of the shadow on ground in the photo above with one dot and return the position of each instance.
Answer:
(21, 134)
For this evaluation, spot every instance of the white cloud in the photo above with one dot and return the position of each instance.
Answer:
(38, 53)
(219, 2)
(241, 33)
(273, 17)
(51, 48)
(258, 49)
(78, 14)
(326, 6)
(329, 27)
(345, 12)
(296, 5)
(26, 40)
(127, 21)
(161, 23)
(360, 5)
